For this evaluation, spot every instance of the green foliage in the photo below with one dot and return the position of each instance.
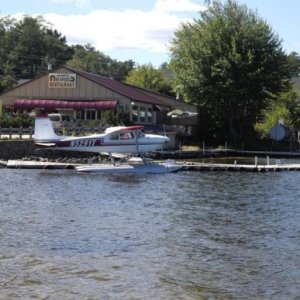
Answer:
(29, 45)
(111, 118)
(26, 48)
(284, 108)
(272, 116)
(294, 64)
(115, 118)
(19, 120)
(88, 59)
(228, 61)
(148, 77)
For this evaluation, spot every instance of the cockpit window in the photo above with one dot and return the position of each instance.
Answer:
(114, 137)
(126, 135)
(141, 134)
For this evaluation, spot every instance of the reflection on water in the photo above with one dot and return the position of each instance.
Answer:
(174, 236)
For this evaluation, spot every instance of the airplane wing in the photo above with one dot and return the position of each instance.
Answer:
(134, 127)
(124, 128)
(45, 144)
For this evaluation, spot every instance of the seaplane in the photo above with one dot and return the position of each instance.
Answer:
(128, 141)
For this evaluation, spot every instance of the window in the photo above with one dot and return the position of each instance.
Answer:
(67, 118)
(122, 106)
(80, 114)
(142, 114)
(114, 137)
(135, 112)
(141, 134)
(149, 115)
(90, 115)
(126, 135)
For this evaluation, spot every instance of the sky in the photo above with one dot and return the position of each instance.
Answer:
(140, 30)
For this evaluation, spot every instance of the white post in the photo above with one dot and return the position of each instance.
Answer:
(180, 149)
(136, 141)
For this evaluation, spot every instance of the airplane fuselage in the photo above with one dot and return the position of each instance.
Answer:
(115, 139)
(104, 144)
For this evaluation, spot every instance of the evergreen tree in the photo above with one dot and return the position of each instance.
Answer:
(27, 47)
(87, 58)
(294, 64)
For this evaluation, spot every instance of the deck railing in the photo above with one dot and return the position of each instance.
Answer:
(10, 133)
(16, 133)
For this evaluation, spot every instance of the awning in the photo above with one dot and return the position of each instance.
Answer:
(58, 104)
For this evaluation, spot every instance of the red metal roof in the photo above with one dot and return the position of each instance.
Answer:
(59, 104)
(124, 89)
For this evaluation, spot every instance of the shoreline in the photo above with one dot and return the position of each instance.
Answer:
(19, 149)
(186, 166)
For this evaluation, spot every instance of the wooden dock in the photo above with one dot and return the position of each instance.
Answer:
(240, 167)
(186, 166)
(20, 164)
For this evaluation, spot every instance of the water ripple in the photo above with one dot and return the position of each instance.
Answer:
(177, 236)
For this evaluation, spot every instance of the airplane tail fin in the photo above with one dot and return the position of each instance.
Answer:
(43, 130)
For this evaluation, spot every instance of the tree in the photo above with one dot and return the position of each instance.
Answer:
(284, 108)
(35, 45)
(7, 75)
(27, 47)
(56, 51)
(294, 64)
(148, 77)
(26, 50)
(87, 58)
(228, 62)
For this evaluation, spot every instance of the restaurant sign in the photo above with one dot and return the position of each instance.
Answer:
(58, 80)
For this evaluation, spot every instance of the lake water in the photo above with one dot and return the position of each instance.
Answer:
(189, 235)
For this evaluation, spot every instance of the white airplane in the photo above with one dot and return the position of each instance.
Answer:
(128, 140)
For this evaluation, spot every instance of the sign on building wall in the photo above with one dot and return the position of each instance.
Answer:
(58, 80)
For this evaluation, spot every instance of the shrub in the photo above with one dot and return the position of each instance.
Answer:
(16, 121)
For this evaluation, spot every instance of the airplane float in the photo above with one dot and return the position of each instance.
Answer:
(128, 140)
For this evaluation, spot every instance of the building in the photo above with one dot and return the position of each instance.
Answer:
(85, 96)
